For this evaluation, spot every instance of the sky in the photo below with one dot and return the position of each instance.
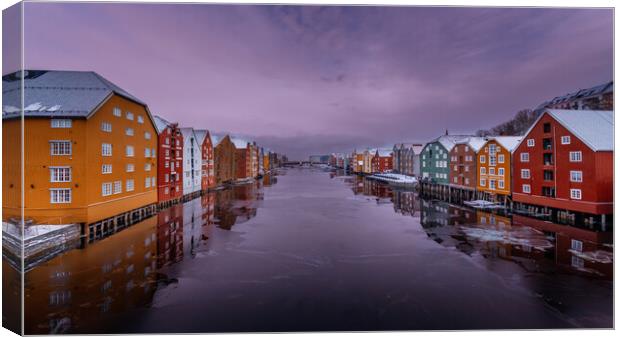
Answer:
(307, 80)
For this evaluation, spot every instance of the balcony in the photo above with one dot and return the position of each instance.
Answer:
(548, 159)
(547, 144)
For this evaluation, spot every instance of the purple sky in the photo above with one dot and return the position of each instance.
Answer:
(305, 80)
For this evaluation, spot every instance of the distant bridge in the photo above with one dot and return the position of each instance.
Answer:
(301, 163)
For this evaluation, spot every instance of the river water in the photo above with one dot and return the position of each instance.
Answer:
(313, 250)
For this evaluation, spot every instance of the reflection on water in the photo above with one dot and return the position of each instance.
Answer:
(84, 289)
(237, 260)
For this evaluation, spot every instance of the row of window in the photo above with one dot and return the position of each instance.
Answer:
(574, 157)
(116, 187)
(500, 171)
(493, 159)
(492, 183)
(107, 127)
(116, 111)
(564, 140)
(575, 176)
(107, 168)
(106, 151)
(575, 193)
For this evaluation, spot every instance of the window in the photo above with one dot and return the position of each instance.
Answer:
(166, 177)
(483, 170)
(129, 151)
(576, 176)
(147, 182)
(575, 193)
(565, 140)
(166, 190)
(60, 174)
(60, 148)
(492, 149)
(500, 171)
(526, 188)
(147, 135)
(501, 184)
(492, 160)
(547, 127)
(129, 131)
(492, 184)
(61, 123)
(167, 164)
(106, 127)
(530, 143)
(147, 167)
(117, 111)
(575, 156)
(483, 159)
(455, 168)
(118, 187)
(483, 182)
(106, 149)
(576, 245)
(106, 189)
(147, 152)
(153, 153)
(500, 158)
(153, 182)
(129, 115)
(140, 119)
(492, 171)
(525, 173)
(466, 181)
(129, 185)
(455, 179)
(106, 168)
(129, 168)
(525, 157)
(466, 168)
(60, 195)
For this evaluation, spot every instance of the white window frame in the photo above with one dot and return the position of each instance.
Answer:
(55, 194)
(106, 126)
(525, 157)
(104, 168)
(147, 167)
(500, 158)
(483, 182)
(526, 174)
(574, 174)
(147, 135)
(575, 193)
(147, 152)
(61, 123)
(576, 154)
(576, 245)
(116, 111)
(129, 151)
(501, 184)
(64, 145)
(526, 188)
(531, 142)
(104, 149)
(130, 167)
(483, 159)
(565, 140)
(118, 187)
(483, 171)
(60, 177)
(106, 189)
(501, 171)
(129, 115)
(129, 185)
(140, 119)
(129, 131)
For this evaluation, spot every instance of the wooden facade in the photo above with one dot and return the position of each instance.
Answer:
(169, 161)
(463, 158)
(495, 170)
(224, 161)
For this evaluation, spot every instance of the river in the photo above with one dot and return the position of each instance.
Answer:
(314, 250)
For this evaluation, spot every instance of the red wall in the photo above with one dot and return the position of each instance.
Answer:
(208, 179)
(460, 151)
(175, 188)
(596, 167)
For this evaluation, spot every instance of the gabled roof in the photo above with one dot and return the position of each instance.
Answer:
(448, 141)
(187, 133)
(476, 143)
(56, 93)
(384, 152)
(201, 134)
(593, 127)
(508, 142)
(160, 123)
(581, 93)
(239, 143)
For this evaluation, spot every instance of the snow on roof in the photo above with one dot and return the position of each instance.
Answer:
(385, 152)
(448, 141)
(595, 128)
(160, 123)
(200, 134)
(57, 93)
(187, 134)
(476, 143)
(239, 143)
(508, 142)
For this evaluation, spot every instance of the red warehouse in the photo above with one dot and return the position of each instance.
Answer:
(382, 160)
(565, 162)
(169, 160)
(207, 167)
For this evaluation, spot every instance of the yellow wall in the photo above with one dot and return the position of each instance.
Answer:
(11, 168)
(506, 165)
(88, 205)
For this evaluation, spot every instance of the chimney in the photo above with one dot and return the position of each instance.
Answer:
(446, 132)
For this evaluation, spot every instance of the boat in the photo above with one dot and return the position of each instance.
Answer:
(483, 204)
(394, 178)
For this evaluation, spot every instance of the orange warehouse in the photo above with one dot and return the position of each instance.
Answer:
(89, 148)
(494, 165)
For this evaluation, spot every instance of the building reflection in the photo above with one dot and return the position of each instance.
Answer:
(535, 245)
(406, 202)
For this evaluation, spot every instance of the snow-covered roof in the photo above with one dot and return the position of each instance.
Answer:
(188, 133)
(57, 93)
(239, 143)
(200, 134)
(385, 152)
(476, 143)
(594, 128)
(160, 123)
(448, 141)
(581, 93)
(508, 142)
